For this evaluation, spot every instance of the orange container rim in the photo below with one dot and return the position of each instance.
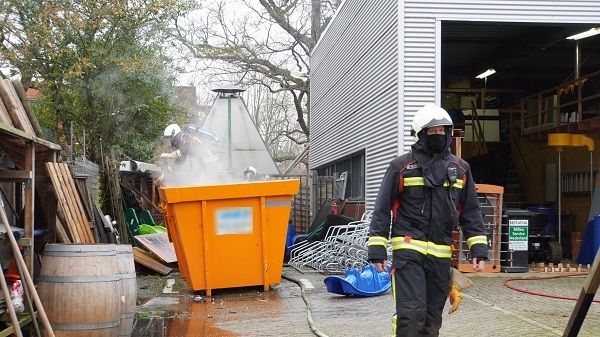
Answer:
(230, 191)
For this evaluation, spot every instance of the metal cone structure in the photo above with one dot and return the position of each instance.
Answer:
(241, 144)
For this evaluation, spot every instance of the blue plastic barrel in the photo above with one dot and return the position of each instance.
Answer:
(291, 232)
(591, 242)
(549, 211)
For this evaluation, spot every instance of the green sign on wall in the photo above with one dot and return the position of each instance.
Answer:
(518, 234)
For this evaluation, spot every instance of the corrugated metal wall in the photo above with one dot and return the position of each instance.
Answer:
(353, 103)
(354, 88)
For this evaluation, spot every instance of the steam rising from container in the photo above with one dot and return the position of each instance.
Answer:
(241, 145)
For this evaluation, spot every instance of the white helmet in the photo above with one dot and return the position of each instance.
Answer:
(428, 116)
(250, 173)
(172, 130)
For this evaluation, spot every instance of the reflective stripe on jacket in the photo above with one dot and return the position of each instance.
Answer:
(426, 215)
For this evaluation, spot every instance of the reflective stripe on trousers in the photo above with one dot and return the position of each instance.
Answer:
(423, 247)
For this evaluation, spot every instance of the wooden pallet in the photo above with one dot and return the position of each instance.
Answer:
(560, 268)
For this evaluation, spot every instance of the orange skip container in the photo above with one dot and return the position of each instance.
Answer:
(230, 235)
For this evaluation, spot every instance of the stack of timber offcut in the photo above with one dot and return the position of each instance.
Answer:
(560, 268)
(71, 212)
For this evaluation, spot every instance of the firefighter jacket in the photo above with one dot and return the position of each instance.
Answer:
(188, 145)
(423, 212)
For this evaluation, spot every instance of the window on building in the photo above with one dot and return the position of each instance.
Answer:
(355, 166)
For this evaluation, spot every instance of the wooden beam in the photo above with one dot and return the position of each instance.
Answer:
(29, 204)
(15, 133)
(18, 86)
(586, 296)
(148, 260)
(63, 203)
(15, 175)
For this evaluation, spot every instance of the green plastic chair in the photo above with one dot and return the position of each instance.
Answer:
(146, 218)
(133, 225)
(148, 229)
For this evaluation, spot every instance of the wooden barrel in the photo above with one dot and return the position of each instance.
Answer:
(79, 289)
(128, 288)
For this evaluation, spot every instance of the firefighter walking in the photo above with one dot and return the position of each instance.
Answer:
(429, 192)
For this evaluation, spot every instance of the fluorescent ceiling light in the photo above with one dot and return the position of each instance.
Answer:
(591, 32)
(486, 73)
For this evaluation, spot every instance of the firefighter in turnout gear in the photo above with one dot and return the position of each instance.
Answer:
(193, 147)
(429, 192)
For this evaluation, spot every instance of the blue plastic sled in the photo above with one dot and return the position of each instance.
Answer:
(367, 283)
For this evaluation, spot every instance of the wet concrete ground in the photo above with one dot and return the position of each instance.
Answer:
(489, 308)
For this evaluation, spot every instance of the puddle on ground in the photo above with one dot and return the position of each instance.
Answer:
(188, 315)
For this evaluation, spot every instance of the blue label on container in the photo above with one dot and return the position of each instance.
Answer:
(275, 203)
(234, 221)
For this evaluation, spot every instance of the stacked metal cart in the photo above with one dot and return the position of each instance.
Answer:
(490, 201)
(344, 246)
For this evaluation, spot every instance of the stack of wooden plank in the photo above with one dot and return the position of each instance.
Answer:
(150, 260)
(71, 211)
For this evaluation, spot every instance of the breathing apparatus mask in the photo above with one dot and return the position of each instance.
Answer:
(436, 143)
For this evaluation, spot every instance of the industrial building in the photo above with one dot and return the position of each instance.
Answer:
(379, 62)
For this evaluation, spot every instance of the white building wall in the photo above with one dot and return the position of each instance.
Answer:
(353, 105)
(354, 88)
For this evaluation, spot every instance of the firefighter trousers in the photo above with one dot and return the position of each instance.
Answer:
(420, 288)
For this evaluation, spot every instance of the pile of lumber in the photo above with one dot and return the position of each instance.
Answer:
(151, 261)
(73, 225)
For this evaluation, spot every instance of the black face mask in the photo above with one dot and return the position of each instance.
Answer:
(436, 143)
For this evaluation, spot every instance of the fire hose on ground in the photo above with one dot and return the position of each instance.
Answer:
(507, 284)
(507, 281)
(311, 324)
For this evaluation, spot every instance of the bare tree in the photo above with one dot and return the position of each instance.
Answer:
(261, 42)
(273, 116)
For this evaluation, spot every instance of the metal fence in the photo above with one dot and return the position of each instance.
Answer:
(90, 172)
(305, 203)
